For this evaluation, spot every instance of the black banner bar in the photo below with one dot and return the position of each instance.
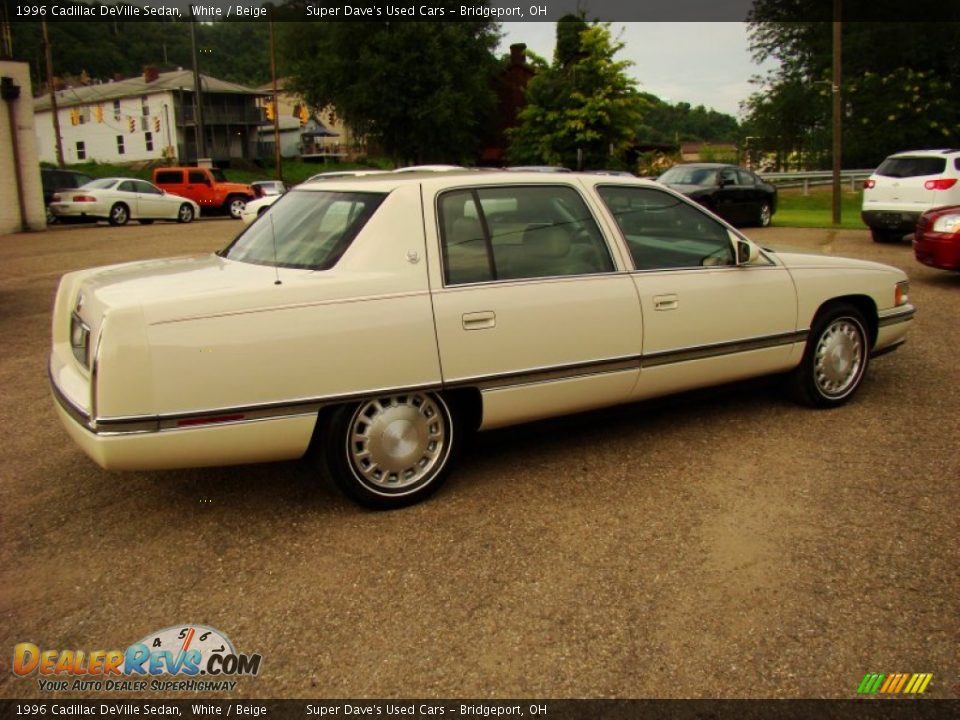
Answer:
(872, 709)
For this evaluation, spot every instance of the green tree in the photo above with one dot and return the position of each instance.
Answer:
(583, 101)
(897, 87)
(420, 91)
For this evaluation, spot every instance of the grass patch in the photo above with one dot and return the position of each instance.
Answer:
(816, 209)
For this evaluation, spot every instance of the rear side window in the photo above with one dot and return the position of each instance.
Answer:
(169, 177)
(907, 167)
(518, 232)
(196, 177)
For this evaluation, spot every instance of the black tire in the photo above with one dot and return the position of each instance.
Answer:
(235, 205)
(51, 218)
(835, 359)
(390, 451)
(185, 213)
(886, 236)
(119, 214)
(764, 215)
(145, 222)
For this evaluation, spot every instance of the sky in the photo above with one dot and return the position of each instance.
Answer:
(704, 63)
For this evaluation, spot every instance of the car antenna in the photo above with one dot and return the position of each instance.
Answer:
(276, 267)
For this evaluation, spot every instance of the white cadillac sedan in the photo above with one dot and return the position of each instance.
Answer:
(378, 320)
(119, 200)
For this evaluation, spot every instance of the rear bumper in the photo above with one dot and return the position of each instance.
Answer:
(904, 221)
(234, 443)
(939, 250)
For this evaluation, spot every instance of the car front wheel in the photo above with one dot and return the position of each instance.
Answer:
(236, 205)
(119, 214)
(185, 214)
(835, 359)
(392, 450)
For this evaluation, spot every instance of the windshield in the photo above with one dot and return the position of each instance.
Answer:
(305, 229)
(102, 183)
(689, 176)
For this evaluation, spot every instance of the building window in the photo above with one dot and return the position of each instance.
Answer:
(116, 110)
(145, 105)
(148, 138)
(120, 144)
(81, 150)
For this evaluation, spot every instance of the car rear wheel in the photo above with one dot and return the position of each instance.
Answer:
(886, 236)
(119, 214)
(835, 358)
(51, 218)
(185, 214)
(392, 450)
(765, 215)
(235, 206)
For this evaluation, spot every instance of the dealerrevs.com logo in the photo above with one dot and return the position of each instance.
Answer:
(178, 658)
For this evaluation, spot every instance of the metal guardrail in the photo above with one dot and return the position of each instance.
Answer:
(805, 180)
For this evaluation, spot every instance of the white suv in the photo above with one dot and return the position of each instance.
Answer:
(904, 186)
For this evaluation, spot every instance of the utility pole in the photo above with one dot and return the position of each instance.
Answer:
(837, 109)
(48, 52)
(277, 159)
(197, 94)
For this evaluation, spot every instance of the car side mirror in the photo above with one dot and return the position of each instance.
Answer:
(747, 252)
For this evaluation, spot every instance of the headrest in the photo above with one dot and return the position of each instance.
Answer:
(546, 240)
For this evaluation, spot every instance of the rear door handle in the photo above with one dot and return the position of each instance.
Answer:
(479, 320)
(665, 302)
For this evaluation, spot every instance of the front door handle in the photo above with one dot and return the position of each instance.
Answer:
(665, 302)
(479, 320)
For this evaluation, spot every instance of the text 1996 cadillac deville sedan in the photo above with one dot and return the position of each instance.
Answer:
(377, 320)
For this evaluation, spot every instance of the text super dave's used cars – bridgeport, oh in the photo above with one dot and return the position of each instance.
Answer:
(374, 321)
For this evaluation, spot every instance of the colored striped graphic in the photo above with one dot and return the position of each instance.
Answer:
(907, 683)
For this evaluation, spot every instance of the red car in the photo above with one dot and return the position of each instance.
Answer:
(937, 239)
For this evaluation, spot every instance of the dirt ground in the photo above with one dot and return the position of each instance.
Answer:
(721, 544)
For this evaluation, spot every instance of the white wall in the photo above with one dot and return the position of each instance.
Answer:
(27, 151)
(100, 138)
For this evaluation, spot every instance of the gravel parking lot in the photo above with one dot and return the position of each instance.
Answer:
(722, 544)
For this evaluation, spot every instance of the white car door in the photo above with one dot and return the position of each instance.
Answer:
(153, 203)
(528, 302)
(706, 318)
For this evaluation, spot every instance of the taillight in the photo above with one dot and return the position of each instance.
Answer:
(941, 184)
(84, 198)
(869, 183)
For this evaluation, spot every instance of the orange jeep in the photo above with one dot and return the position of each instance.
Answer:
(208, 187)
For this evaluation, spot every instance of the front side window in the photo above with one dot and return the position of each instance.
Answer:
(305, 229)
(511, 233)
(663, 232)
(197, 177)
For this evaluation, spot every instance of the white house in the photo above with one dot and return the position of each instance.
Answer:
(149, 118)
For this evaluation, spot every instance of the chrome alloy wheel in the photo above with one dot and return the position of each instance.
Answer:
(766, 215)
(397, 443)
(838, 360)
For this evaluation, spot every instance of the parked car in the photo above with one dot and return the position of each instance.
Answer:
(255, 208)
(268, 188)
(54, 180)
(208, 187)
(119, 200)
(937, 239)
(906, 185)
(737, 195)
(379, 320)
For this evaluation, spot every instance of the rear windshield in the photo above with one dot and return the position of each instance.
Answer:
(905, 167)
(101, 184)
(305, 229)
